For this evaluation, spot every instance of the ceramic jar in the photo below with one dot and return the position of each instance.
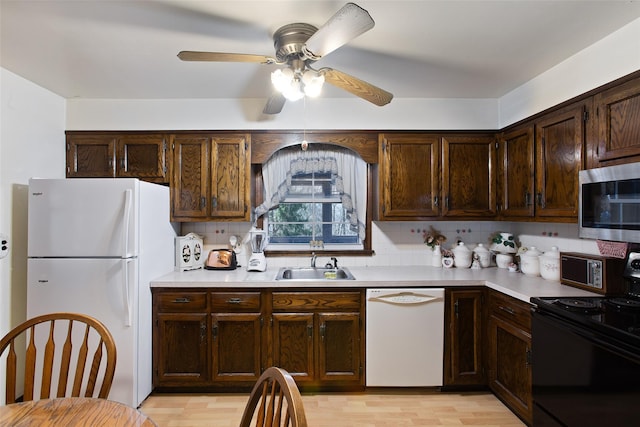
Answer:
(484, 256)
(462, 256)
(530, 262)
(550, 264)
(436, 256)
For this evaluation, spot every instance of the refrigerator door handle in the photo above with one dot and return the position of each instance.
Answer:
(127, 293)
(128, 195)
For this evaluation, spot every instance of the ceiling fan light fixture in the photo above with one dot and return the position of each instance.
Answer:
(313, 82)
(282, 78)
(293, 91)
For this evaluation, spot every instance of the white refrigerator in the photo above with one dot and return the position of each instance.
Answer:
(93, 247)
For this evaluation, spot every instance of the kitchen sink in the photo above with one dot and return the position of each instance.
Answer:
(311, 273)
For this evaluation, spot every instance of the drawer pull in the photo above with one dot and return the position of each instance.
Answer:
(182, 300)
(234, 300)
(507, 309)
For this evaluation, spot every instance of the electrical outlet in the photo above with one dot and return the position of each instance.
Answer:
(4, 246)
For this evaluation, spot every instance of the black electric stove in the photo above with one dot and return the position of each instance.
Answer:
(586, 357)
(616, 316)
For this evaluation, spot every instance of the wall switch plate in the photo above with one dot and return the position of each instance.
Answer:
(4, 246)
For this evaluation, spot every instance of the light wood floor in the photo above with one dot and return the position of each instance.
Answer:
(367, 409)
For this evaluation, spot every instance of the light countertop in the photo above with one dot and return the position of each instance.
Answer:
(516, 285)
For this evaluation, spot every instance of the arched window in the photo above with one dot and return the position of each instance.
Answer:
(315, 198)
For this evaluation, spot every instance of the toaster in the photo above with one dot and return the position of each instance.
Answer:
(189, 252)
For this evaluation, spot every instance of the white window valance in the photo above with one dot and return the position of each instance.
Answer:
(347, 169)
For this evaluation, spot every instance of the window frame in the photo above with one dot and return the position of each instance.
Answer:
(324, 181)
(363, 144)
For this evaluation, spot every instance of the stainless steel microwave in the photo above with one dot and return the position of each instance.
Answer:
(609, 200)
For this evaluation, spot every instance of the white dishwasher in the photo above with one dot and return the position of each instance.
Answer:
(405, 337)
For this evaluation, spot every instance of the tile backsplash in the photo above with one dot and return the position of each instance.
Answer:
(401, 243)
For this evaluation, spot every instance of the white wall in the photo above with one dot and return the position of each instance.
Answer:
(31, 144)
(606, 60)
(181, 114)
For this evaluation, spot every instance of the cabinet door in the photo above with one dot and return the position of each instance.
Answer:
(182, 347)
(293, 335)
(339, 347)
(618, 122)
(469, 176)
(409, 178)
(230, 177)
(91, 156)
(236, 344)
(510, 367)
(189, 189)
(559, 145)
(464, 363)
(142, 156)
(517, 185)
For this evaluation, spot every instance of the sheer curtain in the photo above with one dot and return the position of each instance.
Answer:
(347, 169)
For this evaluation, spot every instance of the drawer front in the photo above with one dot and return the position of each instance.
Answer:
(172, 302)
(235, 301)
(311, 301)
(510, 309)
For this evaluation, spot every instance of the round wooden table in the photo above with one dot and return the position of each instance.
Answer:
(72, 411)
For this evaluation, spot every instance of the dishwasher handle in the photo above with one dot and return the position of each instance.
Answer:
(405, 298)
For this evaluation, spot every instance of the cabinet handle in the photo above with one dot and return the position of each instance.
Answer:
(214, 202)
(310, 330)
(455, 308)
(323, 328)
(203, 202)
(527, 199)
(541, 202)
(234, 300)
(215, 331)
(527, 361)
(182, 300)
(203, 332)
(435, 201)
(507, 310)
(446, 202)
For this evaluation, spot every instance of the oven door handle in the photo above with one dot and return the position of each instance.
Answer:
(591, 335)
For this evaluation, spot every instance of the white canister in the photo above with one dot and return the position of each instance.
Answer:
(462, 256)
(484, 256)
(550, 264)
(530, 262)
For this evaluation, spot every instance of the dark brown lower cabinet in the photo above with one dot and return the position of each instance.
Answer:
(317, 337)
(180, 339)
(464, 343)
(509, 353)
(221, 339)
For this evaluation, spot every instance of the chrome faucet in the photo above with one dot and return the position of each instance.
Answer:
(314, 257)
(335, 262)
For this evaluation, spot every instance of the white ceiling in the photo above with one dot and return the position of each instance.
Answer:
(417, 49)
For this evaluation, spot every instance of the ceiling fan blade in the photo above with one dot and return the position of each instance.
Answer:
(347, 24)
(274, 103)
(357, 87)
(188, 55)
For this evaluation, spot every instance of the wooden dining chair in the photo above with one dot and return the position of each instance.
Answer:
(279, 400)
(72, 352)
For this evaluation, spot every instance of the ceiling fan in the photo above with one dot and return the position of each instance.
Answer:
(298, 46)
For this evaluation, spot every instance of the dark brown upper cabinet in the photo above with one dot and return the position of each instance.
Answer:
(118, 155)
